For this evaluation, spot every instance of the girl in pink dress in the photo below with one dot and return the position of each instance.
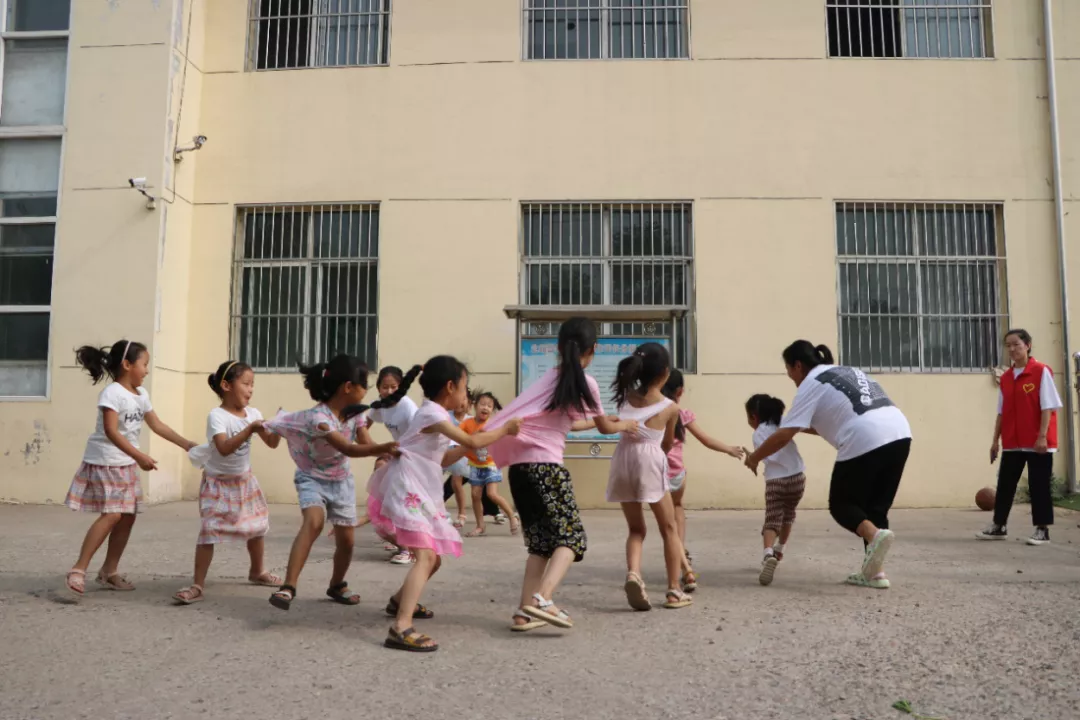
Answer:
(639, 468)
(405, 496)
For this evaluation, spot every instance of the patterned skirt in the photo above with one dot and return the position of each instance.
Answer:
(544, 497)
(232, 508)
(106, 489)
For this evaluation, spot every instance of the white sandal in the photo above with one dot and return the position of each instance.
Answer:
(530, 624)
(189, 595)
(540, 612)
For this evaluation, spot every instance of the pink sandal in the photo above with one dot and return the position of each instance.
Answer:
(189, 595)
(76, 582)
(267, 579)
(115, 581)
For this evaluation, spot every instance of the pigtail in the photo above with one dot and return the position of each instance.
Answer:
(403, 389)
(626, 377)
(314, 376)
(94, 360)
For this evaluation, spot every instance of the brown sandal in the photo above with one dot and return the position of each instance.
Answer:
(410, 641)
(340, 593)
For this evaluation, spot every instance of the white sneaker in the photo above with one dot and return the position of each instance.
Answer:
(1041, 536)
(403, 558)
(768, 569)
(500, 519)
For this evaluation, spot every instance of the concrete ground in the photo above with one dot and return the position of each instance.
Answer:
(969, 630)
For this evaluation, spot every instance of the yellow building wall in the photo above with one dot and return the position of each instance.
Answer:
(760, 131)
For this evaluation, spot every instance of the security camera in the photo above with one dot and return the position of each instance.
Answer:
(199, 140)
(196, 144)
(138, 183)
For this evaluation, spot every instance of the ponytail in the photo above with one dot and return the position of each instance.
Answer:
(109, 360)
(767, 409)
(577, 337)
(802, 351)
(390, 400)
(670, 390)
(322, 380)
(626, 377)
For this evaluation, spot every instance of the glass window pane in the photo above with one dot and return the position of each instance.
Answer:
(563, 232)
(27, 237)
(26, 278)
(272, 316)
(35, 73)
(880, 342)
(648, 283)
(565, 30)
(275, 234)
(29, 168)
(345, 233)
(960, 343)
(24, 336)
(31, 15)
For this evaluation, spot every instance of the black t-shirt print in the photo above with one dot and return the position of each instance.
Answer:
(863, 392)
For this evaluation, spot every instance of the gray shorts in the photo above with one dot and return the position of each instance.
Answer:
(676, 482)
(337, 498)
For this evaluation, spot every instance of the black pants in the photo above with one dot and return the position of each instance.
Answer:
(490, 508)
(864, 487)
(1039, 466)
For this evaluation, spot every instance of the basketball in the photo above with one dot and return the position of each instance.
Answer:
(985, 498)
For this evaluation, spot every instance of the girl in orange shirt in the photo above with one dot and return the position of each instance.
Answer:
(484, 476)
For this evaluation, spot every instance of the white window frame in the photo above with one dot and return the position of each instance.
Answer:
(21, 132)
(605, 36)
(252, 50)
(312, 267)
(917, 259)
(989, 35)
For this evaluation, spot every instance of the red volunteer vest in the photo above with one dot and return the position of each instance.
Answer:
(1021, 413)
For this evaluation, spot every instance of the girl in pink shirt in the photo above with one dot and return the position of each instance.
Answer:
(564, 399)
(673, 389)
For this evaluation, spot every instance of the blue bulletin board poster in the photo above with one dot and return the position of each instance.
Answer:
(538, 355)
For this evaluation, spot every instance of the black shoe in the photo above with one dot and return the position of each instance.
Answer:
(1041, 536)
(994, 532)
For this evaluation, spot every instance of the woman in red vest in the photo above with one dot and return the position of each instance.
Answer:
(1026, 429)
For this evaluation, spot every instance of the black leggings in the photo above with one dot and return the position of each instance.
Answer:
(1040, 467)
(864, 487)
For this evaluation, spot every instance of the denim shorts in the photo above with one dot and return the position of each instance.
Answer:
(336, 498)
(481, 476)
(676, 483)
(459, 469)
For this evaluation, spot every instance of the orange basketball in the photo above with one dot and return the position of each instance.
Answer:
(985, 498)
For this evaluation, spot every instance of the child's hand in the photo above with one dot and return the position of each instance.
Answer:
(189, 444)
(738, 453)
(390, 449)
(257, 426)
(148, 463)
(630, 426)
(994, 450)
(751, 463)
(513, 427)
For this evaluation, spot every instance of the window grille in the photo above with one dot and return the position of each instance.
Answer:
(910, 28)
(614, 29)
(921, 285)
(286, 34)
(306, 284)
(604, 254)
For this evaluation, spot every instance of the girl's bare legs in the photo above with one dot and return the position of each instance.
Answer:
(543, 576)
(305, 538)
(493, 493)
(343, 552)
(456, 482)
(680, 511)
(118, 540)
(427, 562)
(768, 537)
(669, 531)
(204, 555)
(434, 569)
(478, 509)
(635, 539)
(95, 536)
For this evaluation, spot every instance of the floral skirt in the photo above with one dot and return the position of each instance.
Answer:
(106, 489)
(544, 497)
(232, 508)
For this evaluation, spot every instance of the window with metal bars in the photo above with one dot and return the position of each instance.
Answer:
(616, 29)
(910, 28)
(613, 254)
(286, 34)
(306, 284)
(921, 285)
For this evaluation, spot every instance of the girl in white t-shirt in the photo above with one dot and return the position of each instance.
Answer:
(851, 412)
(231, 504)
(785, 481)
(396, 418)
(108, 481)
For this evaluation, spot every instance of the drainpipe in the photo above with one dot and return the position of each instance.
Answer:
(1059, 208)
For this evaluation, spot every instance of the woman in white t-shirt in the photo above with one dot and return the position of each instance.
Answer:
(396, 418)
(872, 438)
(107, 481)
(231, 503)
